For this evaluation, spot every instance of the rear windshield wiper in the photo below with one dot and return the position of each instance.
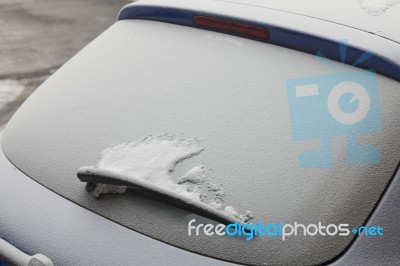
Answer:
(97, 175)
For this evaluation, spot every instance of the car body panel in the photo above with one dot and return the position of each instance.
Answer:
(138, 95)
(109, 94)
(384, 250)
(375, 17)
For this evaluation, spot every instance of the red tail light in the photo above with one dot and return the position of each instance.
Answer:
(231, 27)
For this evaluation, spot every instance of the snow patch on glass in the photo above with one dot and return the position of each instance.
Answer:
(154, 159)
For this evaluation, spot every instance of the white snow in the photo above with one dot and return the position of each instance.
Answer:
(9, 91)
(154, 159)
(377, 7)
(195, 175)
(244, 217)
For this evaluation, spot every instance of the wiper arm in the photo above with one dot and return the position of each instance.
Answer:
(105, 176)
(15, 256)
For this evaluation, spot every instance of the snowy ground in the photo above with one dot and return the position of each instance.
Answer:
(14, 92)
(37, 37)
(9, 90)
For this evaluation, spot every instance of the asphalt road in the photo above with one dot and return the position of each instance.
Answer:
(37, 37)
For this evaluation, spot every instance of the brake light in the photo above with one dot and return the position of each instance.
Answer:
(231, 27)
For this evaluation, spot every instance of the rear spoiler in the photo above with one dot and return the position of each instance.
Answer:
(310, 35)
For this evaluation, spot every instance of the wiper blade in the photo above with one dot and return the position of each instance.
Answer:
(97, 175)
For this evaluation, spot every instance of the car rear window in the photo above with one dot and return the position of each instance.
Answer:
(264, 132)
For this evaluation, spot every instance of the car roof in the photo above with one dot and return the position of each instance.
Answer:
(374, 17)
(296, 31)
